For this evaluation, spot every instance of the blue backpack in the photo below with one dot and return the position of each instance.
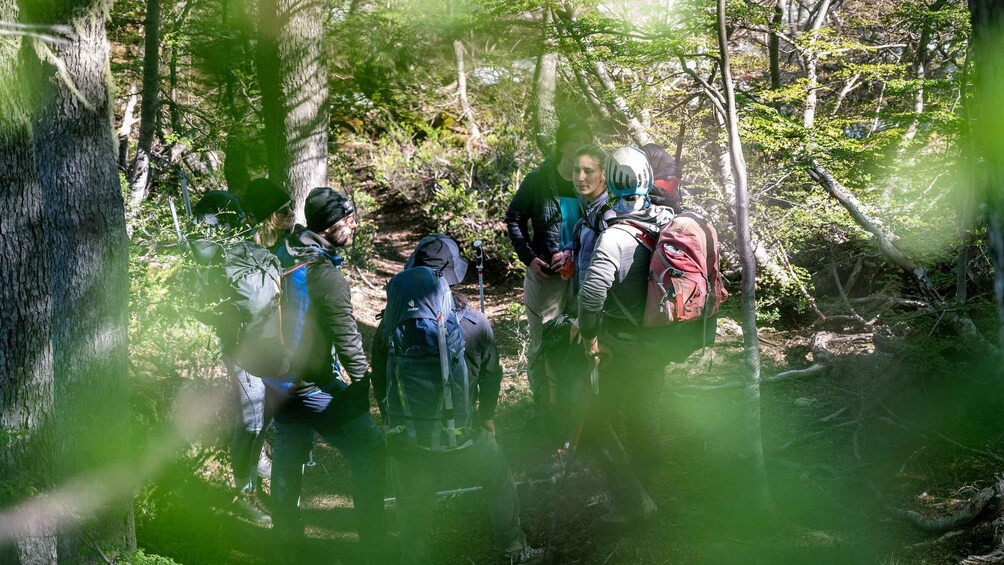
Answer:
(427, 403)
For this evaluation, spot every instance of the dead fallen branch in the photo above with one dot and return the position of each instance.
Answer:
(884, 241)
(363, 278)
(997, 555)
(953, 521)
(978, 530)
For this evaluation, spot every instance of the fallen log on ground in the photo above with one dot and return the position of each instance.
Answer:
(997, 555)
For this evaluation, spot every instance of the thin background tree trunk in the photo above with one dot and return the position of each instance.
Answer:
(235, 161)
(774, 46)
(751, 342)
(125, 130)
(465, 106)
(811, 56)
(139, 178)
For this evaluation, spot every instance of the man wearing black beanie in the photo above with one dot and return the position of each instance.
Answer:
(322, 399)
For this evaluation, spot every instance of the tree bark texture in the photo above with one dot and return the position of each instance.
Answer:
(474, 138)
(987, 17)
(774, 46)
(63, 286)
(139, 178)
(294, 86)
(26, 387)
(125, 130)
(544, 115)
(744, 234)
(811, 57)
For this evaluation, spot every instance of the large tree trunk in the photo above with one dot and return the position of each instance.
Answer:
(64, 284)
(139, 178)
(744, 233)
(294, 86)
(26, 386)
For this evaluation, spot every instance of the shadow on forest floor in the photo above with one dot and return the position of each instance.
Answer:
(822, 476)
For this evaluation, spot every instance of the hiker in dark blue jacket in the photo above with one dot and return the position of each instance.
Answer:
(415, 471)
(318, 399)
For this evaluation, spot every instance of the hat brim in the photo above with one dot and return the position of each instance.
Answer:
(454, 275)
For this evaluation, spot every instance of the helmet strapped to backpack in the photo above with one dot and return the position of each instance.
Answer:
(628, 173)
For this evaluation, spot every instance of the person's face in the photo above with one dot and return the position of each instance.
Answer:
(341, 232)
(285, 218)
(567, 157)
(588, 177)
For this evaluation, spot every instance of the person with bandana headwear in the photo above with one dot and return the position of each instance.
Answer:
(611, 306)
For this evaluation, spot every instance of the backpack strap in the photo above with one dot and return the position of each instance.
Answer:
(445, 307)
(644, 237)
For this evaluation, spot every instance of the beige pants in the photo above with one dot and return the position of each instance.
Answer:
(544, 298)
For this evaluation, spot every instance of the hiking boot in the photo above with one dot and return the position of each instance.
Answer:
(618, 517)
(248, 509)
(265, 467)
(532, 556)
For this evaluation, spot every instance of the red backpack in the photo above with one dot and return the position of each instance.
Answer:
(684, 279)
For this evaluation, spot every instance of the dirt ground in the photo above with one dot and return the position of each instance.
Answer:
(845, 448)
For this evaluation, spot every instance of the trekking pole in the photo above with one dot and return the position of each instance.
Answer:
(479, 252)
(184, 192)
(571, 448)
(177, 224)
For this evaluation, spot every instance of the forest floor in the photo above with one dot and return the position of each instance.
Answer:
(841, 446)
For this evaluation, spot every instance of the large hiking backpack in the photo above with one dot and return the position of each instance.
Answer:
(685, 281)
(259, 308)
(427, 403)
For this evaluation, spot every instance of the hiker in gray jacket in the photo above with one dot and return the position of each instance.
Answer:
(611, 307)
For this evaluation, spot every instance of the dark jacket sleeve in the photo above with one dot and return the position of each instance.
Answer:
(379, 375)
(490, 380)
(332, 297)
(517, 219)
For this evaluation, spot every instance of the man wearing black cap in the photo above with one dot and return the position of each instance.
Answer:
(318, 399)
(414, 471)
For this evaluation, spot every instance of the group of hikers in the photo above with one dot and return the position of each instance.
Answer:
(584, 223)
